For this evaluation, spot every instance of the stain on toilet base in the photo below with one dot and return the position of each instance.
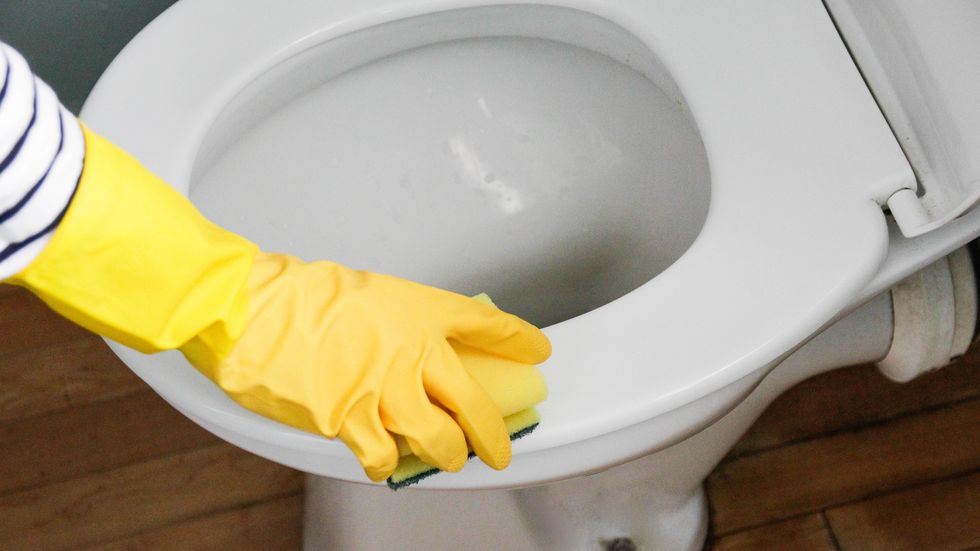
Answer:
(618, 544)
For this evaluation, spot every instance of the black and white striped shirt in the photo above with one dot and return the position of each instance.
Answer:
(41, 154)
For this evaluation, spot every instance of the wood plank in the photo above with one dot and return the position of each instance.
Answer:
(807, 533)
(940, 516)
(51, 378)
(99, 436)
(111, 505)
(852, 397)
(275, 524)
(26, 322)
(808, 476)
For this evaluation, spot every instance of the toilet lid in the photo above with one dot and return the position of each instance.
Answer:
(799, 155)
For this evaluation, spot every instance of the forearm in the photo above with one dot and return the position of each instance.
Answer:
(41, 157)
(126, 236)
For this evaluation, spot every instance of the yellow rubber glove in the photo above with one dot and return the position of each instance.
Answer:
(328, 349)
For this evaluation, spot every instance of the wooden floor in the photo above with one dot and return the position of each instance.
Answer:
(90, 458)
(850, 461)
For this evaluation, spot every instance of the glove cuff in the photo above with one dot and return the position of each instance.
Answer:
(133, 260)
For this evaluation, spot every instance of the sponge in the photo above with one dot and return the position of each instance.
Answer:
(514, 387)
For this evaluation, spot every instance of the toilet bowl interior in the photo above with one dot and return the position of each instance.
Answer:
(540, 154)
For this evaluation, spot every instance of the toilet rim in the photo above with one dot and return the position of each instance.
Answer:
(773, 264)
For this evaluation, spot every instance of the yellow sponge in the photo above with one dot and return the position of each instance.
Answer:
(514, 387)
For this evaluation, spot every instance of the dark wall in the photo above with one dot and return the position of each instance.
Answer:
(70, 42)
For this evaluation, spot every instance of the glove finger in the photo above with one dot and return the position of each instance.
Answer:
(471, 407)
(431, 433)
(365, 435)
(496, 332)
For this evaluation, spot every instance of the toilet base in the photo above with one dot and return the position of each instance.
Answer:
(623, 508)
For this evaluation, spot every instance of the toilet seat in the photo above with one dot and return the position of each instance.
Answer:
(800, 160)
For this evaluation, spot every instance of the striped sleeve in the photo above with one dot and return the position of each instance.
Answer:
(41, 156)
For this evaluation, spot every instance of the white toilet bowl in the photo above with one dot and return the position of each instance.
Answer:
(682, 192)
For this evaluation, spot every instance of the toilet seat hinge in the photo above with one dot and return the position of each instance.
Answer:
(909, 212)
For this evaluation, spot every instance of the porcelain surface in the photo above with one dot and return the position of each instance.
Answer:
(798, 155)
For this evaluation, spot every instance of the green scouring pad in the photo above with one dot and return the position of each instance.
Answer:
(411, 469)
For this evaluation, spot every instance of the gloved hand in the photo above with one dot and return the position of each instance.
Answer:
(355, 354)
(321, 347)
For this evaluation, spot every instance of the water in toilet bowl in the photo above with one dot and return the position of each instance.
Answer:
(552, 177)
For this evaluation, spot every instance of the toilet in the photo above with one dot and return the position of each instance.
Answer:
(701, 202)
